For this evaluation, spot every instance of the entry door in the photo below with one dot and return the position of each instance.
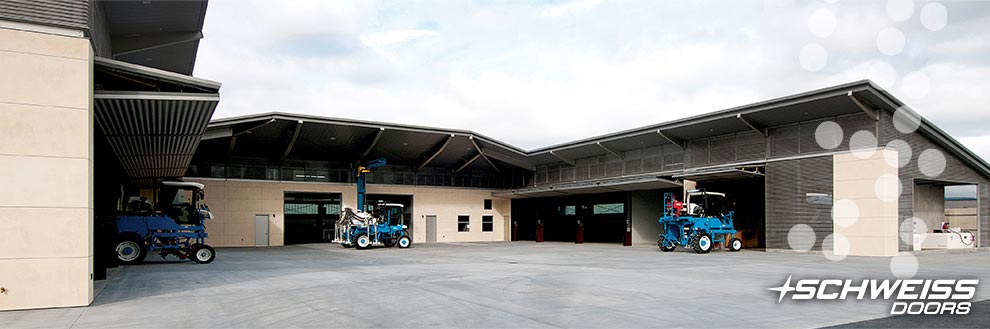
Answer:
(431, 228)
(261, 230)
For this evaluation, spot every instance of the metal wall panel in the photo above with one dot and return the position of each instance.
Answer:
(955, 171)
(70, 14)
(723, 149)
(697, 153)
(788, 184)
(784, 140)
(99, 34)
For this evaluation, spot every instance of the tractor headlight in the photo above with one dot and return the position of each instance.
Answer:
(404, 227)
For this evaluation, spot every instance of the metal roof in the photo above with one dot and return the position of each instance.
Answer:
(452, 146)
(159, 34)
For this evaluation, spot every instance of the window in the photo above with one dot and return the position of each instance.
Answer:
(487, 223)
(463, 223)
(567, 210)
(609, 208)
(488, 204)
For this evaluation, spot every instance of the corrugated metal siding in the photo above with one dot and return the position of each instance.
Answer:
(153, 138)
(71, 14)
(99, 30)
(784, 141)
(788, 183)
(955, 171)
(697, 153)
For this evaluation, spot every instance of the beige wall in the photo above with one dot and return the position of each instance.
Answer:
(964, 218)
(646, 208)
(874, 232)
(46, 207)
(234, 204)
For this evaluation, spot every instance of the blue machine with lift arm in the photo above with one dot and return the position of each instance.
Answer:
(697, 225)
(383, 226)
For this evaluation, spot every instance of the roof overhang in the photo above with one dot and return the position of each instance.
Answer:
(159, 34)
(153, 135)
(720, 174)
(618, 184)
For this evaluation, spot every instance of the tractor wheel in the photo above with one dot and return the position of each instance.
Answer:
(660, 243)
(203, 254)
(362, 241)
(735, 244)
(404, 242)
(702, 243)
(131, 251)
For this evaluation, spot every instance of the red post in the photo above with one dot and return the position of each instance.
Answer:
(539, 230)
(515, 231)
(628, 241)
(580, 233)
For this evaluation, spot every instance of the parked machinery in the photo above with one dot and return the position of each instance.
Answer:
(698, 223)
(174, 228)
(382, 227)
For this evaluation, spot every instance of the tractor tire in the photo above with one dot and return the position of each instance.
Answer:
(660, 244)
(404, 241)
(702, 243)
(735, 244)
(131, 250)
(203, 254)
(362, 241)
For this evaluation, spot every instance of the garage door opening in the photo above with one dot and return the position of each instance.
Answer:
(405, 200)
(600, 217)
(310, 217)
(746, 197)
(945, 216)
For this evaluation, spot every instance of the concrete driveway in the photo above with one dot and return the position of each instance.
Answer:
(519, 284)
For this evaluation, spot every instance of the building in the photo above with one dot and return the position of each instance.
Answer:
(100, 106)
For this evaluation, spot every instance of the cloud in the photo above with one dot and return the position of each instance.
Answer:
(382, 39)
(575, 69)
(573, 7)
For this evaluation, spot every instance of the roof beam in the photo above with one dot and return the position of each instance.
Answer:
(873, 113)
(230, 148)
(129, 45)
(510, 160)
(238, 133)
(482, 153)
(374, 142)
(292, 142)
(443, 146)
(561, 158)
(217, 133)
(671, 139)
(609, 150)
(468, 163)
(751, 125)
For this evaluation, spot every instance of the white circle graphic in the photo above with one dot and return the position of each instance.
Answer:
(813, 57)
(801, 237)
(822, 23)
(934, 16)
(890, 41)
(828, 135)
(931, 162)
(900, 10)
(863, 144)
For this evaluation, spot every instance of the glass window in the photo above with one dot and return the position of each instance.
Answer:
(488, 204)
(609, 208)
(567, 210)
(463, 223)
(487, 223)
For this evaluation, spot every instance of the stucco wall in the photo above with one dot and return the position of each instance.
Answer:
(868, 221)
(46, 116)
(234, 204)
(646, 209)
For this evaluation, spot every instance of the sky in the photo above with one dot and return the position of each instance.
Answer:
(537, 73)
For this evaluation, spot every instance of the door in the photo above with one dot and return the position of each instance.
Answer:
(431, 228)
(261, 230)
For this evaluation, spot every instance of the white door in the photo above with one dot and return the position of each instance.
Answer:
(261, 230)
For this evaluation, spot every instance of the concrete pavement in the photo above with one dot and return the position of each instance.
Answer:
(518, 284)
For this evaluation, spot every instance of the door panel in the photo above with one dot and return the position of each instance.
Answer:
(431, 228)
(261, 230)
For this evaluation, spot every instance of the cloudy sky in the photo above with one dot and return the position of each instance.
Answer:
(544, 72)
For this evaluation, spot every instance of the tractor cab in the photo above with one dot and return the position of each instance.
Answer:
(701, 203)
(182, 201)
(389, 213)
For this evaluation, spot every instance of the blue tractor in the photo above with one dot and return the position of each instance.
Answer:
(382, 227)
(176, 227)
(699, 223)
